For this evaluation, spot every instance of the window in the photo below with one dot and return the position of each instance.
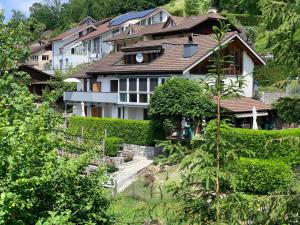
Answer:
(80, 34)
(147, 57)
(96, 45)
(153, 83)
(132, 97)
(143, 98)
(132, 84)
(236, 65)
(160, 16)
(67, 63)
(149, 20)
(114, 86)
(143, 84)
(45, 57)
(143, 22)
(72, 51)
(123, 97)
(123, 84)
(34, 57)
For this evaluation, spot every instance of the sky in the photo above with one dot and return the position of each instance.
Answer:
(22, 5)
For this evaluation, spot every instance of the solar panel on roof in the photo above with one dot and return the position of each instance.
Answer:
(130, 16)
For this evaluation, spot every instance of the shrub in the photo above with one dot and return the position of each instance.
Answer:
(262, 176)
(112, 146)
(274, 144)
(288, 109)
(139, 132)
(111, 166)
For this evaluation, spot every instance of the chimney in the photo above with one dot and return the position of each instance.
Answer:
(190, 48)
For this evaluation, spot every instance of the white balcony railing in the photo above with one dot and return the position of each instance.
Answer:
(100, 97)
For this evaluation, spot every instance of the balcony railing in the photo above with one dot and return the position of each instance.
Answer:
(101, 97)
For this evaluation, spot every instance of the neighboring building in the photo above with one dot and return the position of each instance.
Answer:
(86, 42)
(39, 79)
(67, 47)
(41, 55)
(120, 85)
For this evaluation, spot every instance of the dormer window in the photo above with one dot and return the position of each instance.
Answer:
(142, 57)
(80, 34)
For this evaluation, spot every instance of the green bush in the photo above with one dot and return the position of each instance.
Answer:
(112, 146)
(262, 176)
(139, 132)
(274, 144)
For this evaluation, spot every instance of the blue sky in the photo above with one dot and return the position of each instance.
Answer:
(22, 5)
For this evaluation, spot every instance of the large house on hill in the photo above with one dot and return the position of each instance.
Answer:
(121, 84)
(86, 42)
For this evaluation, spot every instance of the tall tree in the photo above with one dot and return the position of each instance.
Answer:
(36, 185)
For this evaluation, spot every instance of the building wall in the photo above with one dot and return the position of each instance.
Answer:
(40, 64)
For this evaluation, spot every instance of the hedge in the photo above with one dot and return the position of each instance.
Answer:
(262, 176)
(112, 146)
(274, 144)
(137, 132)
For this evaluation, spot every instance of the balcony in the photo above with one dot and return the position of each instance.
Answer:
(100, 97)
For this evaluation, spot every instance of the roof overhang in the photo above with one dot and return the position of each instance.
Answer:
(224, 43)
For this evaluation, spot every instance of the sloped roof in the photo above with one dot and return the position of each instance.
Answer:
(172, 61)
(130, 16)
(101, 29)
(182, 24)
(39, 45)
(238, 105)
(72, 31)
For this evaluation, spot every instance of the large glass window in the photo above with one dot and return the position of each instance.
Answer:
(143, 84)
(143, 98)
(132, 97)
(123, 97)
(153, 83)
(123, 84)
(132, 84)
(114, 86)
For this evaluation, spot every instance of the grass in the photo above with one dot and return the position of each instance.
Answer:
(136, 204)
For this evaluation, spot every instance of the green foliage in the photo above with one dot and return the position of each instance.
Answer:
(170, 103)
(262, 176)
(137, 132)
(288, 109)
(275, 144)
(243, 19)
(112, 146)
(34, 181)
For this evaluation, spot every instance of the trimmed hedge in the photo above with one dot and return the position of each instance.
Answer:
(262, 176)
(274, 144)
(112, 146)
(139, 132)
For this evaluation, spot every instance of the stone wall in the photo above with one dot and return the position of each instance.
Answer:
(147, 151)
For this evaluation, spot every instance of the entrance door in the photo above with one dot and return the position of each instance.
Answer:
(96, 111)
(97, 87)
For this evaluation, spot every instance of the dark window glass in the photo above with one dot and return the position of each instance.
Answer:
(123, 84)
(143, 84)
(146, 116)
(143, 98)
(114, 86)
(153, 83)
(132, 84)
(123, 97)
(132, 97)
(45, 57)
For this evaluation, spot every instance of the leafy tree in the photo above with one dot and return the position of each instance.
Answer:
(191, 7)
(282, 20)
(36, 185)
(179, 98)
(17, 18)
(288, 109)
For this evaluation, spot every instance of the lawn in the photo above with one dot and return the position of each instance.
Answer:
(137, 204)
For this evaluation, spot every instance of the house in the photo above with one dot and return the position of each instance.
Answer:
(85, 42)
(39, 79)
(67, 49)
(121, 84)
(41, 55)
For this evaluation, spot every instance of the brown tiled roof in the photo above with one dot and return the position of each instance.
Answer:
(172, 61)
(239, 105)
(101, 29)
(36, 46)
(71, 31)
(139, 30)
(182, 23)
